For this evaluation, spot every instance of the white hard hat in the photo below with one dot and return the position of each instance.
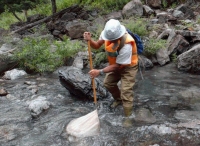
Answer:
(113, 30)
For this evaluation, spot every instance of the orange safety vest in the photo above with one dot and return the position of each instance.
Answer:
(112, 51)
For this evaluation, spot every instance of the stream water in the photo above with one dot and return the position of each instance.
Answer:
(166, 112)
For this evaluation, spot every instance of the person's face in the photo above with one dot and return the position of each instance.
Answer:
(114, 41)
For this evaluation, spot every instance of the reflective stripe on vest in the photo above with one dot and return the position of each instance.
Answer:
(112, 54)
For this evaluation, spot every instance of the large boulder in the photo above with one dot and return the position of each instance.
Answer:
(80, 84)
(133, 8)
(6, 61)
(76, 28)
(190, 61)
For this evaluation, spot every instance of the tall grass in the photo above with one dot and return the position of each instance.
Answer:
(105, 6)
(6, 19)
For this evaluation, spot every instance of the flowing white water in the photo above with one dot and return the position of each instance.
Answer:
(169, 95)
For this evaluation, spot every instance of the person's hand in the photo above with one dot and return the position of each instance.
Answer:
(87, 36)
(94, 73)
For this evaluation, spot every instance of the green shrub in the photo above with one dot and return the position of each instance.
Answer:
(100, 57)
(174, 5)
(6, 19)
(38, 55)
(153, 45)
(174, 57)
(164, 3)
(198, 20)
(136, 25)
(68, 48)
(108, 5)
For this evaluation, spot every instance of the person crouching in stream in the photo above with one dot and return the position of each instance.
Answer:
(123, 63)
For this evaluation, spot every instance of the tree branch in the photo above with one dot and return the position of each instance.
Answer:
(44, 20)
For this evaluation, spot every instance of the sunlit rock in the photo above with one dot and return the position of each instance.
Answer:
(14, 74)
(193, 124)
(38, 105)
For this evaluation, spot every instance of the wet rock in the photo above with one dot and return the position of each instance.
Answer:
(14, 74)
(33, 88)
(186, 115)
(194, 124)
(163, 129)
(190, 96)
(173, 102)
(78, 62)
(8, 132)
(38, 105)
(29, 83)
(6, 61)
(144, 115)
(11, 97)
(3, 92)
(80, 84)
(158, 129)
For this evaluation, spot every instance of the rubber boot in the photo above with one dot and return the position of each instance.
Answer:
(115, 103)
(127, 121)
(128, 111)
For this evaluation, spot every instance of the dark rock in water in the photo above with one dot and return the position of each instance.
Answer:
(80, 84)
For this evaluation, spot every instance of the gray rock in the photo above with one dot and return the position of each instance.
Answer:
(14, 74)
(189, 61)
(144, 115)
(38, 105)
(80, 84)
(133, 8)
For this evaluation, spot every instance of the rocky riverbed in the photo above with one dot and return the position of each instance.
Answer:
(166, 112)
